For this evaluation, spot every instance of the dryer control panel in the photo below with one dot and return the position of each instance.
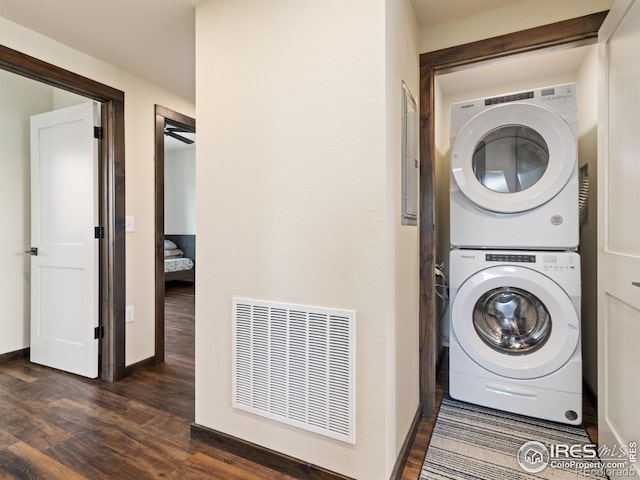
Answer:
(557, 98)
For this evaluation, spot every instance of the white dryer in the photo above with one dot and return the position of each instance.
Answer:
(515, 332)
(514, 171)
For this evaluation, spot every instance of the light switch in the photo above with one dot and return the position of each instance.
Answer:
(129, 224)
(130, 314)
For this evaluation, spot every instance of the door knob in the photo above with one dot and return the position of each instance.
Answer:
(32, 251)
(635, 284)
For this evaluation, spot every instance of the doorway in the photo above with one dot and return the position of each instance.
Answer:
(173, 124)
(561, 35)
(110, 191)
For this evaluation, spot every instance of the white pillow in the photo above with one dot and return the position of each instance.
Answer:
(169, 245)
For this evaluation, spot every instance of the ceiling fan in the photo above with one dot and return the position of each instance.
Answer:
(172, 132)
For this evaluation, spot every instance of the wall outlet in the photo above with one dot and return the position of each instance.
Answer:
(130, 314)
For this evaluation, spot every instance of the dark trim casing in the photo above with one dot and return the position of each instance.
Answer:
(112, 197)
(590, 394)
(405, 450)
(162, 116)
(141, 365)
(560, 35)
(291, 466)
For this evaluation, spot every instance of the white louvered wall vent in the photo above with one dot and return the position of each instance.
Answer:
(295, 364)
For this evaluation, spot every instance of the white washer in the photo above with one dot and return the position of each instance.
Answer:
(515, 332)
(514, 171)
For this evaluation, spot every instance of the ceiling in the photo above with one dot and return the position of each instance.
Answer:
(155, 39)
(432, 12)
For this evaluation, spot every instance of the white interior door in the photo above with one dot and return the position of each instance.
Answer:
(64, 212)
(619, 228)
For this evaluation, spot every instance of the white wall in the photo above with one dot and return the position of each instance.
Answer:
(20, 98)
(587, 155)
(402, 63)
(507, 19)
(180, 191)
(63, 99)
(297, 188)
(140, 99)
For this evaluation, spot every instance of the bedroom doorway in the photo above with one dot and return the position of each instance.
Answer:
(174, 220)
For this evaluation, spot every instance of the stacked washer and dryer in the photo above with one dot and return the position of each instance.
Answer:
(514, 272)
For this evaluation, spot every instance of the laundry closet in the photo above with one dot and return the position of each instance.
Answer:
(524, 73)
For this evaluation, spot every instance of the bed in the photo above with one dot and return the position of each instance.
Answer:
(179, 258)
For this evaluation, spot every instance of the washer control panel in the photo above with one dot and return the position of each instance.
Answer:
(548, 262)
(558, 263)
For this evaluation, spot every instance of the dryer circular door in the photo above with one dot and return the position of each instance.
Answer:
(513, 157)
(515, 322)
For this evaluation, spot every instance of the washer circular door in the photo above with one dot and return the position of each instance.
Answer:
(513, 157)
(515, 322)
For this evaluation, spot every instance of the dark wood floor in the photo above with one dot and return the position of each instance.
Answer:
(55, 425)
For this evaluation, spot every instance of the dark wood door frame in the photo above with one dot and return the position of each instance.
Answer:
(111, 192)
(163, 115)
(560, 35)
